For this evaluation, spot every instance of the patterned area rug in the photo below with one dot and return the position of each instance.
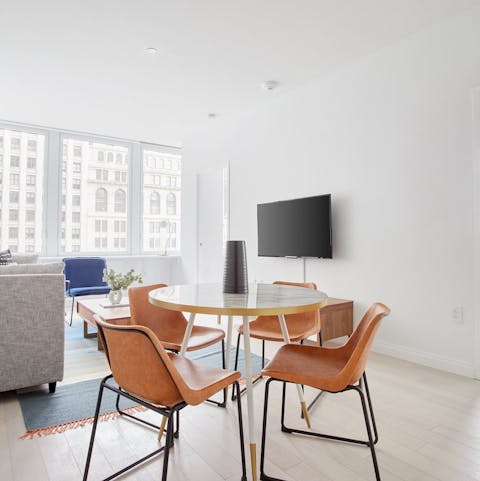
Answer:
(73, 405)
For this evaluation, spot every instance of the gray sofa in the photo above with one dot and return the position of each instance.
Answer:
(32, 325)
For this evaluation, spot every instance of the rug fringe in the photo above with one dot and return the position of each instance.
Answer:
(61, 428)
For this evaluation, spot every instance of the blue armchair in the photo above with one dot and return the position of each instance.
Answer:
(83, 277)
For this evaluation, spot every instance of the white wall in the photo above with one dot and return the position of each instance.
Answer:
(390, 137)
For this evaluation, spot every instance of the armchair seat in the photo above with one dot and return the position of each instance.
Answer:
(87, 291)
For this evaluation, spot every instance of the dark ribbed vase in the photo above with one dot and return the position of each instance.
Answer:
(235, 276)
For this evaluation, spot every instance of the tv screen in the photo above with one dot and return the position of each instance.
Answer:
(295, 228)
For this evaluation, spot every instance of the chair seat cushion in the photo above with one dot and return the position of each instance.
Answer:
(318, 367)
(201, 336)
(86, 291)
(202, 381)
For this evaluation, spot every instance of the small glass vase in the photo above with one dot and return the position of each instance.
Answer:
(115, 297)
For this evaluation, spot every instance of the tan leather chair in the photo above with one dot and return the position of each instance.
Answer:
(330, 369)
(267, 328)
(169, 326)
(158, 380)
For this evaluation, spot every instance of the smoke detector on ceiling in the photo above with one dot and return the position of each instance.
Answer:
(270, 85)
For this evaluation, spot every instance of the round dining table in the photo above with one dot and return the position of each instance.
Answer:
(260, 300)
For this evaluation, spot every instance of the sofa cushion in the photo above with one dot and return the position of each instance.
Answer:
(51, 268)
(25, 258)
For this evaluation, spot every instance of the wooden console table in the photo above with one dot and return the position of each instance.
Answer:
(336, 318)
(115, 315)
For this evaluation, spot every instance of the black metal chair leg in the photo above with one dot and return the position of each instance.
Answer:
(369, 432)
(168, 443)
(263, 476)
(263, 353)
(372, 416)
(236, 387)
(94, 430)
(222, 403)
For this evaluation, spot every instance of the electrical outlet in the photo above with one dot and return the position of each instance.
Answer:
(457, 315)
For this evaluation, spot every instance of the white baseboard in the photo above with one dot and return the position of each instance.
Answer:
(425, 358)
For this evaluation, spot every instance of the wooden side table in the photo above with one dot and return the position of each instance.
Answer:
(114, 315)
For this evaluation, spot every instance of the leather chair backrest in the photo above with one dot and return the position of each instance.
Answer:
(309, 319)
(144, 313)
(359, 344)
(139, 363)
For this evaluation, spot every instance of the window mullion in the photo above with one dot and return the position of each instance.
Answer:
(52, 190)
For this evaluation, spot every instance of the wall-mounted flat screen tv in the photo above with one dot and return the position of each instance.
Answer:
(295, 228)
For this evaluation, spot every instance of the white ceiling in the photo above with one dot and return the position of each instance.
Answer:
(81, 64)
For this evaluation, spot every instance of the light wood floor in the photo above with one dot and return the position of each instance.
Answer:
(428, 420)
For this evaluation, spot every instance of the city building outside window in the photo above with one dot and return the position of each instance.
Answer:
(78, 159)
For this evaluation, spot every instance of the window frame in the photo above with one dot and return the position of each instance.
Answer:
(52, 188)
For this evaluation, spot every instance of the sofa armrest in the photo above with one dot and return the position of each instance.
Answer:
(32, 327)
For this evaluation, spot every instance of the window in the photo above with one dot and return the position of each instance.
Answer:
(13, 232)
(13, 196)
(155, 203)
(171, 203)
(103, 190)
(14, 179)
(15, 143)
(155, 227)
(158, 188)
(120, 226)
(13, 214)
(120, 201)
(101, 202)
(101, 225)
(80, 160)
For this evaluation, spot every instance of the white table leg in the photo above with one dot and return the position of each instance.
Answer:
(229, 342)
(286, 338)
(188, 332)
(251, 419)
(228, 346)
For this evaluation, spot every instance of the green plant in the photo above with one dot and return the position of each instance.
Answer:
(117, 280)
